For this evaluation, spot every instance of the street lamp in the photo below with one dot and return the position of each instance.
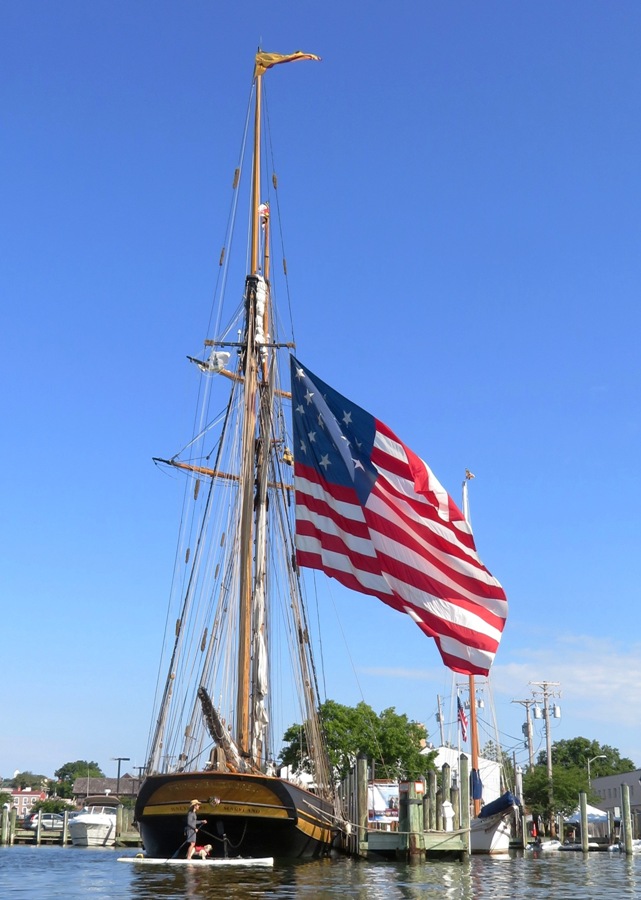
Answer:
(120, 759)
(600, 756)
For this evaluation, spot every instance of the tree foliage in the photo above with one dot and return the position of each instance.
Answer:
(389, 740)
(566, 785)
(28, 780)
(57, 805)
(577, 751)
(570, 775)
(5, 799)
(68, 773)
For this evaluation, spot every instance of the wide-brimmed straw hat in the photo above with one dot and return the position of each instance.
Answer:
(195, 803)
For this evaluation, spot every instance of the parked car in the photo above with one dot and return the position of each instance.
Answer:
(49, 821)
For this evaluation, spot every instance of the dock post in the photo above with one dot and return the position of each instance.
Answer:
(13, 824)
(402, 847)
(464, 774)
(4, 831)
(430, 822)
(455, 800)
(583, 804)
(361, 805)
(351, 811)
(523, 832)
(411, 843)
(416, 842)
(627, 818)
(119, 826)
(446, 782)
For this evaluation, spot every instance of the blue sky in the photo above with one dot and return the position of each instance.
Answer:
(461, 187)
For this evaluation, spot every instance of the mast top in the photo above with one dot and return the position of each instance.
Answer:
(265, 61)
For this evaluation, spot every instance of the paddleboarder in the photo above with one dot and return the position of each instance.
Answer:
(192, 826)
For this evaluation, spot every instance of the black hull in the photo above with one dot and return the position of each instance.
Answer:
(247, 815)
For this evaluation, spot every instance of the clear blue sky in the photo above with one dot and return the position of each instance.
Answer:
(461, 187)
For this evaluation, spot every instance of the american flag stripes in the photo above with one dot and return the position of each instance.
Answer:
(371, 514)
(462, 718)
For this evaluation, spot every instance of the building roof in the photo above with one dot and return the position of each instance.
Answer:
(85, 787)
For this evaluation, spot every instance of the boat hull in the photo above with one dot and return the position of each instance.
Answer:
(92, 834)
(247, 815)
(490, 835)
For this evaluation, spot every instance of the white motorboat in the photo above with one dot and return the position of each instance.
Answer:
(94, 827)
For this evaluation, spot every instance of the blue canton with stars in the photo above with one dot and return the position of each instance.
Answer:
(332, 434)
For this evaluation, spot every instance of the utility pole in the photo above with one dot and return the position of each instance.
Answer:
(528, 722)
(440, 719)
(546, 692)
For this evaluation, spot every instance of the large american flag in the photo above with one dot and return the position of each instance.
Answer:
(371, 514)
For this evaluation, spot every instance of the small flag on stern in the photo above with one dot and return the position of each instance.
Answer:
(462, 718)
(370, 513)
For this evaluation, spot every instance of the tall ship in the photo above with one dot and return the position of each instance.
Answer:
(283, 473)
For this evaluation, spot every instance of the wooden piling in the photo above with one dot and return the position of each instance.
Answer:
(430, 820)
(627, 818)
(464, 776)
(583, 804)
(4, 828)
(410, 821)
(455, 800)
(523, 831)
(362, 812)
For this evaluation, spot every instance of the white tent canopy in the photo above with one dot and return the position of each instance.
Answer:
(597, 821)
(594, 815)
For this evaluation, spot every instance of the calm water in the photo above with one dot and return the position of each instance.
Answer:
(76, 872)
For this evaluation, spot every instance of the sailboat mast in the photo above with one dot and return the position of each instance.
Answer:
(248, 453)
(474, 739)
(474, 728)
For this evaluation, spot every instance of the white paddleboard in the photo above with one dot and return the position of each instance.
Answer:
(197, 861)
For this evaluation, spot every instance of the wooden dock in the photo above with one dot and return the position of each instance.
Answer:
(423, 832)
(11, 833)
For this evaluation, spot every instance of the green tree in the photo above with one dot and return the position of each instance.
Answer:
(389, 740)
(28, 780)
(569, 775)
(68, 773)
(567, 782)
(577, 751)
(5, 798)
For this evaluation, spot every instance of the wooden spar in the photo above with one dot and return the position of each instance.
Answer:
(216, 473)
(234, 376)
(474, 738)
(248, 457)
(266, 276)
(474, 728)
(256, 178)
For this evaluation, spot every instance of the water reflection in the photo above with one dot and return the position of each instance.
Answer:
(77, 873)
(321, 879)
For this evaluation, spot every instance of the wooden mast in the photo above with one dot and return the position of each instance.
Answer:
(474, 739)
(253, 455)
(474, 728)
(248, 453)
